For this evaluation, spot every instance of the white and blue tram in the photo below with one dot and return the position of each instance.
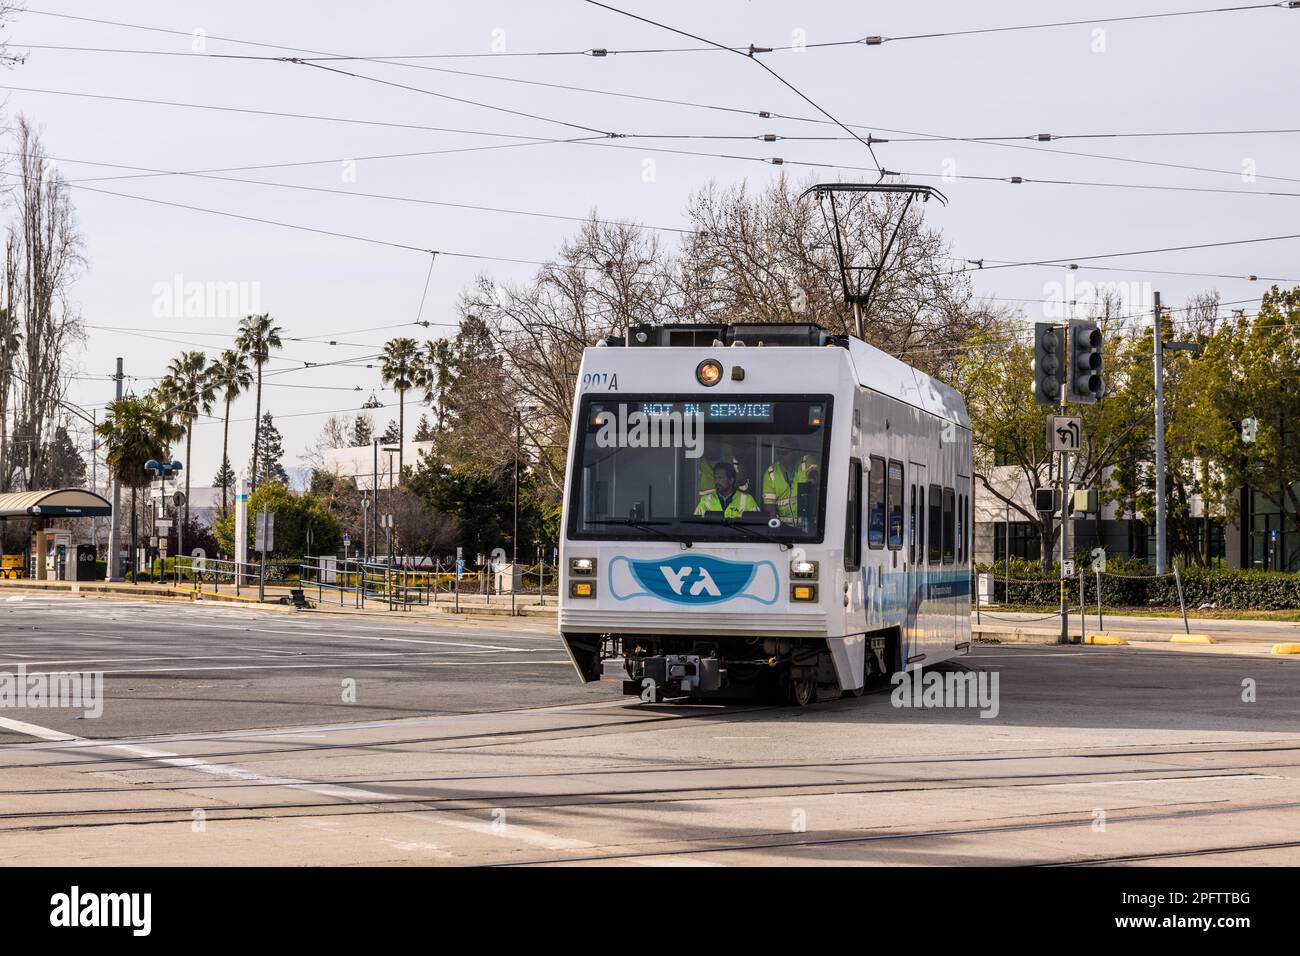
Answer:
(761, 510)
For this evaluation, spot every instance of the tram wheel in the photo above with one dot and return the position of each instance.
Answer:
(802, 684)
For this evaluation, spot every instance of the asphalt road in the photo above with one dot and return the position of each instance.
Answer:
(481, 748)
(189, 668)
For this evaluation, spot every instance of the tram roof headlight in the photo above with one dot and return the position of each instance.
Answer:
(708, 372)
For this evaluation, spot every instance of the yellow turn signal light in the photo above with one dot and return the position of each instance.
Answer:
(803, 592)
(582, 589)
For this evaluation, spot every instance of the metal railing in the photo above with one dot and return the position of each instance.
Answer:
(1088, 579)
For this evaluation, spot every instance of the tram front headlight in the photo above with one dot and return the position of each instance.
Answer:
(807, 570)
(709, 372)
(582, 566)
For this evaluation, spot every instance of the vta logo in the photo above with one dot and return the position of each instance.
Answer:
(703, 583)
(692, 579)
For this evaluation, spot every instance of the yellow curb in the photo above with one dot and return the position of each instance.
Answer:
(1191, 639)
(1105, 639)
(1286, 648)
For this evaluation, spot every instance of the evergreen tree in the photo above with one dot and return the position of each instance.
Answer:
(424, 429)
(225, 477)
(363, 432)
(270, 452)
(392, 434)
(65, 468)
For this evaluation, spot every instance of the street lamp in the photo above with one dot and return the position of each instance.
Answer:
(162, 470)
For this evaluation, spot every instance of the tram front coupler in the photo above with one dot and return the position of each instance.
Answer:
(673, 675)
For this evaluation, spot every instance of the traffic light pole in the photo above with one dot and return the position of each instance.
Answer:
(1158, 349)
(1065, 497)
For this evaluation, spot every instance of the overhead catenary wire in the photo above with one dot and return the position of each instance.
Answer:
(748, 50)
(915, 136)
(751, 56)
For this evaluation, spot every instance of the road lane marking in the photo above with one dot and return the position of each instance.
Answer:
(31, 730)
(446, 818)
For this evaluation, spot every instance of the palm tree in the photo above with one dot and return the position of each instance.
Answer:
(258, 335)
(402, 369)
(231, 377)
(186, 392)
(438, 371)
(133, 431)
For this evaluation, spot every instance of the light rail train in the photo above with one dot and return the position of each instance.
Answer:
(761, 511)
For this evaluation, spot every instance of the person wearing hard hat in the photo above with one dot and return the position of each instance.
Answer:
(725, 496)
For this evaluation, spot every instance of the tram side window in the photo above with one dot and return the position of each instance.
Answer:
(876, 503)
(853, 519)
(934, 521)
(894, 495)
(949, 538)
(911, 529)
(961, 529)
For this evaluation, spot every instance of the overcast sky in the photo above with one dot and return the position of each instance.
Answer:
(1230, 71)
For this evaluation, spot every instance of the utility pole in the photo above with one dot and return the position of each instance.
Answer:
(1159, 352)
(114, 561)
(1065, 497)
(374, 496)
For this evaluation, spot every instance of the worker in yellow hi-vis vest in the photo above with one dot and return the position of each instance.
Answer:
(704, 472)
(781, 482)
(725, 496)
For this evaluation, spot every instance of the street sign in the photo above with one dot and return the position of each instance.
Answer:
(347, 540)
(1064, 434)
(178, 499)
(162, 524)
(387, 521)
(1067, 569)
(264, 538)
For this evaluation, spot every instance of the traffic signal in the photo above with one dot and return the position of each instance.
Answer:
(1047, 363)
(1084, 384)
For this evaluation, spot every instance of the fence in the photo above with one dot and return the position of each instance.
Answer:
(1162, 590)
(354, 581)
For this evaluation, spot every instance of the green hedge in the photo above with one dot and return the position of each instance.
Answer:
(1224, 587)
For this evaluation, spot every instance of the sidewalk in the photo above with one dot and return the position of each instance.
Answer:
(1032, 628)
(470, 605)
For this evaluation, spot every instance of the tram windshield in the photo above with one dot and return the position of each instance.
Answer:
(688, 469)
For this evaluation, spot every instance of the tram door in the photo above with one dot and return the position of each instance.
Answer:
(914, 629)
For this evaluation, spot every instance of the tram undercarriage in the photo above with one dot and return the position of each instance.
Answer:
(798, 671)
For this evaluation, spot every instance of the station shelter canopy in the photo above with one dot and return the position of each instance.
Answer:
(54, 503)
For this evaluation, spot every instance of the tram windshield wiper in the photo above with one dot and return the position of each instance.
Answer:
(651, 526)
(747, 528)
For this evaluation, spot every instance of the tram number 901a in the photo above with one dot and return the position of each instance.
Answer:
(598, 380)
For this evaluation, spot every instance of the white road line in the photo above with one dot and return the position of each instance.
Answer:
(347, 666)
(445, 818)
(31, 730)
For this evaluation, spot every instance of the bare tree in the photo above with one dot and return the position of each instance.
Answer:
(42, 257)
(769, 256)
